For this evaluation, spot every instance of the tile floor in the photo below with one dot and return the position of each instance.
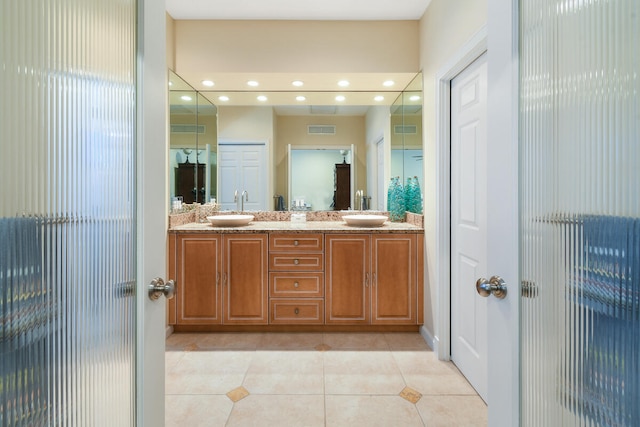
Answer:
(314, 379)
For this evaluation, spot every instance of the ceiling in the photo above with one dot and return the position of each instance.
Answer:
(319, 89)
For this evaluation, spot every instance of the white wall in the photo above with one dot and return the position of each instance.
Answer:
(377, 126)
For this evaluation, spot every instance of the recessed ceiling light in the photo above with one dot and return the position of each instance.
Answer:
(261, 98)
(185, 98)
(379, 98)
(340, 98)
(207, 83)
(252, 83)
(223, 98)
(300, 98)
(343, 83)
(388, 83)
(297, 83)
(414, 98)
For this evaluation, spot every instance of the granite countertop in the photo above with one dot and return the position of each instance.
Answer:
(297, 227)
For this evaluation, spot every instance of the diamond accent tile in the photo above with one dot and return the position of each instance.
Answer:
(323, 347)
(411, 395)
(238, 393)
(192, 347)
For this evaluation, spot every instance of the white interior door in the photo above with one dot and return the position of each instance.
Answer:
(380, 186)
(242, 167)
(469, 222)
(151, 221)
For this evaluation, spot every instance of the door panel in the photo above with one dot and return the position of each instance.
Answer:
(347, 278)
(243, 167)
(468, 222)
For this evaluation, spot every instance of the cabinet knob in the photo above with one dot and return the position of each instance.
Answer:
(296, 243)
(296, 261)
(296, 311)
(296, 284)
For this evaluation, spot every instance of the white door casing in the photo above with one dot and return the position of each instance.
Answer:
(380, 181)
(468, 222)
(152, 194)
(499, 39)
(242, 167)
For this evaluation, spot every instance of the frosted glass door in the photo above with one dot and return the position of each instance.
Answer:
(67, 212)
(580, 209)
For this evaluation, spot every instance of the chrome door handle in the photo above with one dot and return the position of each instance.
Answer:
(495, 286)
(158, 287)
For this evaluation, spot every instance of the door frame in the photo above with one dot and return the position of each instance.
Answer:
(467, 54)
(152, 194)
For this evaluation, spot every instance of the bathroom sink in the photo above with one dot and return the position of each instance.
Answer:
(365, 220)
(230, 220)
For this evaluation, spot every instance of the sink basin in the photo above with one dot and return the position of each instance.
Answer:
(365, 220)
(230, 220)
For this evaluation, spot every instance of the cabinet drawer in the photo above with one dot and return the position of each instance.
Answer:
(296, 262)
(287, 242)
(297, 311)
(296, 285)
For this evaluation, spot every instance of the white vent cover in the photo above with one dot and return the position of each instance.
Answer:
(406, 129)
(187, 128)
(321, 130)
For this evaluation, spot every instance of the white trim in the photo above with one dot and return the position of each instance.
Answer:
(468, 53)
(431, 341)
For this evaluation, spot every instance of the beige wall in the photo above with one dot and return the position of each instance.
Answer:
(444, 28)
(293, 130)
(171, 44)
(297, 46)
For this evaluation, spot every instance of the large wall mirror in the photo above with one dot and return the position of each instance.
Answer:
(192, 143)
(360, 134)
(406, 134)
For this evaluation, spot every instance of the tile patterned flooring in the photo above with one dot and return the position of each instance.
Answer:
(314, 379)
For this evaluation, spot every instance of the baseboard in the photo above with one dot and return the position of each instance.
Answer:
(168, 331)
(429, 339)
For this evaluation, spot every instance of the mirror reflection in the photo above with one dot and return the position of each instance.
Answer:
(302, 148)
(192, 144)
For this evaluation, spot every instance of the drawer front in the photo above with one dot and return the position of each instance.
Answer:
(288, 242)
(296, 262)
(296, 285)
(297, 311)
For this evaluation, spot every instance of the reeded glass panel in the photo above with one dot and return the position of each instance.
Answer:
(580, 212)
(67, 210)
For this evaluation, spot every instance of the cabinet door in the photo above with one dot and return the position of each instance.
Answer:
(347, 279)
(198, 272)
(393, 279)
(246, 279)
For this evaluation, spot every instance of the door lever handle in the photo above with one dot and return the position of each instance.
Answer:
(494, 286)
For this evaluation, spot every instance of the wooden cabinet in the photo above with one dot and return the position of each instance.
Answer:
(342, 191)
(221, 279)
(372, 279)
(185, 183)
(296, 278)
(245, 279)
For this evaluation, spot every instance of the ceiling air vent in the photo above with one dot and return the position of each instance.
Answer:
(187, 128)
(321, 130)
(406, 129)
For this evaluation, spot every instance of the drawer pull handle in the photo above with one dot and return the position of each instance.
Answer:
(296, 284)
(296, 311)
(296, 261)
(296, 243)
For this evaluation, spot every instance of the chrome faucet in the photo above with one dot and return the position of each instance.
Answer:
(235, 198)
(244, 196)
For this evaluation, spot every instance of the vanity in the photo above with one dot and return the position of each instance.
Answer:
(277, 275)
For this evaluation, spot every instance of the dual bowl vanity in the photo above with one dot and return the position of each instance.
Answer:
(271, 273)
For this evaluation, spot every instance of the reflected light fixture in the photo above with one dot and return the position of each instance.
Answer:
(379, 98)
(414, 98)
(223, 98)
(343, 83)
(185, 98)
(261, 98)
(207, 83)
(300, 98)
(340, 98)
